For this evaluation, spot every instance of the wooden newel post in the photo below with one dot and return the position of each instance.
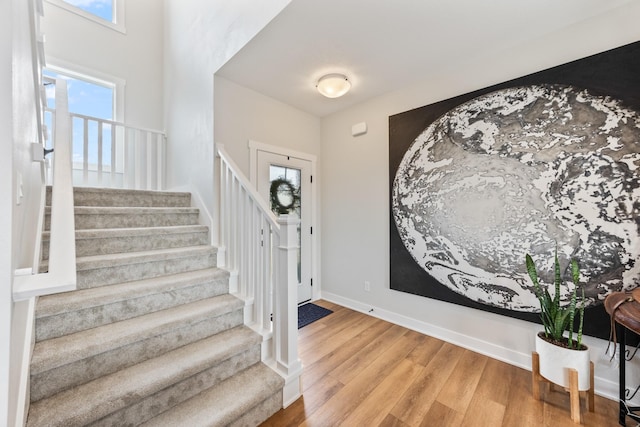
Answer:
(285, 313)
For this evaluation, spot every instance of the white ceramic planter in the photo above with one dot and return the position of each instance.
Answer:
(555, 360)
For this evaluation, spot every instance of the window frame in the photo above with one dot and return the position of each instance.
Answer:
(96, 77)
(118, 23)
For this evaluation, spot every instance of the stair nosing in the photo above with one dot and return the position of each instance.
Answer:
(136, 380)
(223, 392)
(103, 190)
(100, 233)
(92, 262)
(90, 342)
(58, 304)
(125, 210)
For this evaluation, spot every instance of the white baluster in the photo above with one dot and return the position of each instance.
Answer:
(85, 152)
(100, 161)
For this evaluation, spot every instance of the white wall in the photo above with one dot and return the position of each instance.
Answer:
(242, 114)
(17, 228)
(355, 203)
(6, 185)
(135, 57)
(200, 36)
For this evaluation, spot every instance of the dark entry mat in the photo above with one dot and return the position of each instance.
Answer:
(309, 313)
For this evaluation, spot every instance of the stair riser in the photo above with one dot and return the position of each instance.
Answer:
(75, 321)
(159, 219)
(261, 412)
(224, 405)
(179, 392)
(91, 278)
(49, 382)
(102, 197)
(114, 245)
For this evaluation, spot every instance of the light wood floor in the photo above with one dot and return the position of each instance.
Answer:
(363, 371)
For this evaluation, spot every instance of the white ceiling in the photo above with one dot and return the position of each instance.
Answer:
(383, 45)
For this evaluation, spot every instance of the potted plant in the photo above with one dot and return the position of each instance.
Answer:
(559, 354)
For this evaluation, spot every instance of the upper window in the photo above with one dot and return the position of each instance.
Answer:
(106, 12)
(100, 8)
(89, 97)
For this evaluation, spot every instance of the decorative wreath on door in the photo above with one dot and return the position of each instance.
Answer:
(284, 197)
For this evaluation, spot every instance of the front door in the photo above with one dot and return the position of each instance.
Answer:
(297, 173)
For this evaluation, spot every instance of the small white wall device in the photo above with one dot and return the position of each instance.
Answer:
(359, 129)
(37, 152)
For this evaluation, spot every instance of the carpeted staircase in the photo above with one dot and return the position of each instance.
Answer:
(152, 335)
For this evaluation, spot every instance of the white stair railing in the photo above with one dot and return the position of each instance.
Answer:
(107, 153)
(61, 274)
(260, 252)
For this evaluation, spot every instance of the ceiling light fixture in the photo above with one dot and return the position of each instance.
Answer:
(333, 85)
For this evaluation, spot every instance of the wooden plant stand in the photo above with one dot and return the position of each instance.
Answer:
(574, 393)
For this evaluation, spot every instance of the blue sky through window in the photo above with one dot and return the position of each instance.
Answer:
(100, 8)
(89, 99)
(86, 98)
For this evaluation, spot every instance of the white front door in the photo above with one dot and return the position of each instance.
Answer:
(297, 172)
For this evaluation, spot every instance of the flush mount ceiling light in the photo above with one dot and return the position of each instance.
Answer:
(333, 85)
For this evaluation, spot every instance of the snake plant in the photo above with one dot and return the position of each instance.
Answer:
(555, 318)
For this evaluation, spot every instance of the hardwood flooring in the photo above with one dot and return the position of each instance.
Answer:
(363, 371)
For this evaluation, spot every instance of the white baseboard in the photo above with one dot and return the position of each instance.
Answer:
(609, 389)
(604, 387)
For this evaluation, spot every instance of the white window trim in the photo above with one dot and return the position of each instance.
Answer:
(118, 14)
(96, 77)
(255, 146)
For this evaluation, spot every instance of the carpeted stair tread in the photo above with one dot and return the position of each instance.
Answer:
(224, 404)
(56, 352)
(97, 233)
(89, 217)
(96, 399)
(151, 335)
(114, 210)
(51, 305)
(110, 260)
(113, 240)
(93, 196)
(92, 262)
(184, 331)
(71, 312)
(102, 270)
(128, 210)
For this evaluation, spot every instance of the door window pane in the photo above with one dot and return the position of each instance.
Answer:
(293, 177)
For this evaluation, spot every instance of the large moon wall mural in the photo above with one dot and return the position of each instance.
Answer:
(550, 160)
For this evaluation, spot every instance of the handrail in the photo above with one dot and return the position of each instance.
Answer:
(249, 188)
(61, 276)
(41, 102)
(115, 123)
(247, 228)
(261, 255)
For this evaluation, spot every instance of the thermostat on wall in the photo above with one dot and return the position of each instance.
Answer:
(359, 129)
